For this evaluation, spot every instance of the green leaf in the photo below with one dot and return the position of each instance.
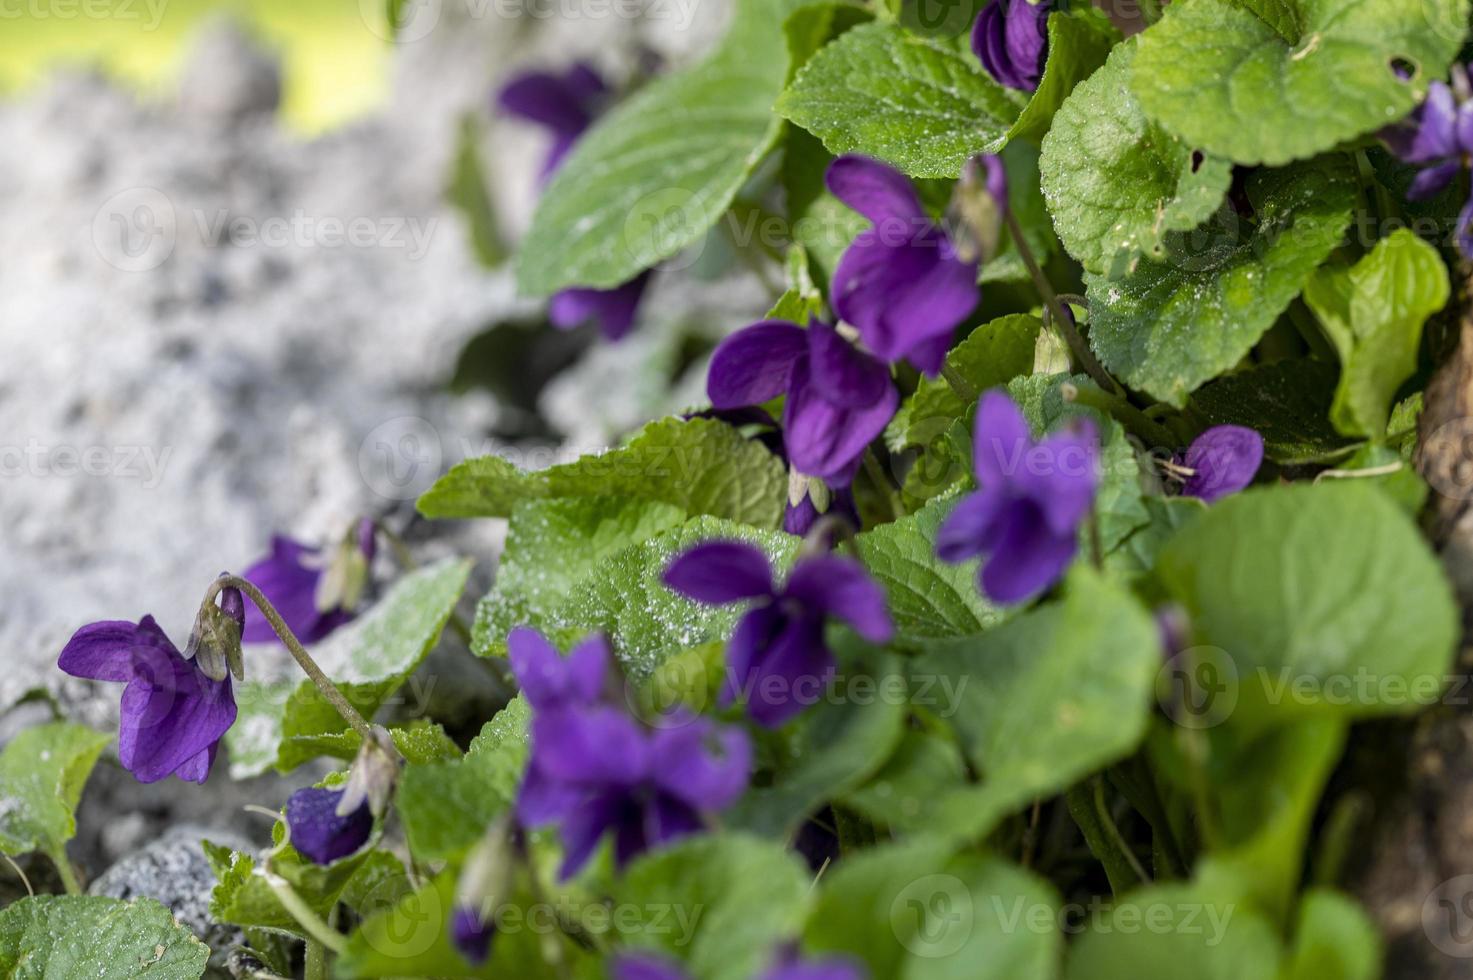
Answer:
(906, 99)
(1322, 599)
(446, 806)
(626, 598)
(912, 910)
(1288, 402)
(467, 192)
(990, 356)
(1117, 183)
(1373, 313)
(1025, 201)
(740, 895)
(836, 745)
(1044, 699)
(99, 938)
(1137, 553)
(923, 767)
(42, 772)
(367, 660)
(1230, 82)
(419, 741)
(1172, 325)
(657, 171)
(1334, 940)
(699, 465)
(1188, 924)
(927, 597)
(551, 547)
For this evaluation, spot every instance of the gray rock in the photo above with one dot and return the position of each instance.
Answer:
(230, 76)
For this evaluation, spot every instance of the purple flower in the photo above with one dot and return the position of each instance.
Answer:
(471, 933)
(1031, 499)
(790, 966)
(1438, 137)
(901, 283)
(595, 770)
(1174, 627)
(612, 309)
(646, 966)
(564, 104)
(314, 590)
(1011, 40)
(777, 659)
(839, 399)
(172, 715)
(1222, 460)
(800, 516)
(318, 833)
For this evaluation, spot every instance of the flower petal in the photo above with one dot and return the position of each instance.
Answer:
(705, 766)
(549, 100)
(1062, 474)
(1001, 439)
(840, 587)
(100, 651)
(646, 966)
(289, 583)
(585, 827)
(551, 680)
(874, 189)
(1029, 557)
(613, 310)
(781, 677)
(1225, 458)
(317, 831)
(972, 526)
(1430, 132)
(720, 572)
(848, 376)
(1432, 181)
(754, 364)
(826, 440)
(593, 746)
(170, 711)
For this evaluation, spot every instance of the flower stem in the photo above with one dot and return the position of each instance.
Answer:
(1153, 434)
(883, 484)
(1063, 322)
(294, 646)
(64, 868)
(963, 388)
(316, 966)
(317, 931)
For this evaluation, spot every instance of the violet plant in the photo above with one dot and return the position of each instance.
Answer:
(1003, 596)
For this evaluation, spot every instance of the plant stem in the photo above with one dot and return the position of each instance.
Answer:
(1153, 434)
(294, 646)
(882, 483)
(316, 966)
(960, 385)
(1108, 822)
(1063, 322)
(64, 868)
(316, 930)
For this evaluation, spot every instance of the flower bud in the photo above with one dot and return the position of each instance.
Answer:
(345, 577)
(485, 883)
(373, 776)
(215, 641)
(978, 209)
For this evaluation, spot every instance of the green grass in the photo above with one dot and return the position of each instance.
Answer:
(334, 63)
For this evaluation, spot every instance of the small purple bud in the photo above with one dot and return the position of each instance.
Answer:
(1223, 460)
(232, 603)
(471, 933)
(1010, 38)
(1175, 628)
(317, 831)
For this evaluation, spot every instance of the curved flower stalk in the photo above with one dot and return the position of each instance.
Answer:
(778, 662)
(566, 104)
(315, 590)
(1032, 499)
(595, 770)
(1010, 38)
(1438, 138)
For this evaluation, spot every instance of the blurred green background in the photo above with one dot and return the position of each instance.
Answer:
(334, 57)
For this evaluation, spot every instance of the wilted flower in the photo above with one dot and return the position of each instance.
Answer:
(1221, 461)
(1031, 499)
(318, 832)
(839, 399)
(901, 283)
(778, 659)
(314, 590)
(1011, 40)
(596, 770)
(172, 714)
(566, 104)
(1438, 137)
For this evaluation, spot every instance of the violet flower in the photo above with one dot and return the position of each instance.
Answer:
(595, 770)
(172, 715)
(1222, 460)
(316, 830)
(566, 104)
(799, 516)
(778, 660)
(315, 590)
(1032, 498)
(791, 966)
(471, 933)
(1438, 137)
(901, 283)
(839, 399)
(1011, 40)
